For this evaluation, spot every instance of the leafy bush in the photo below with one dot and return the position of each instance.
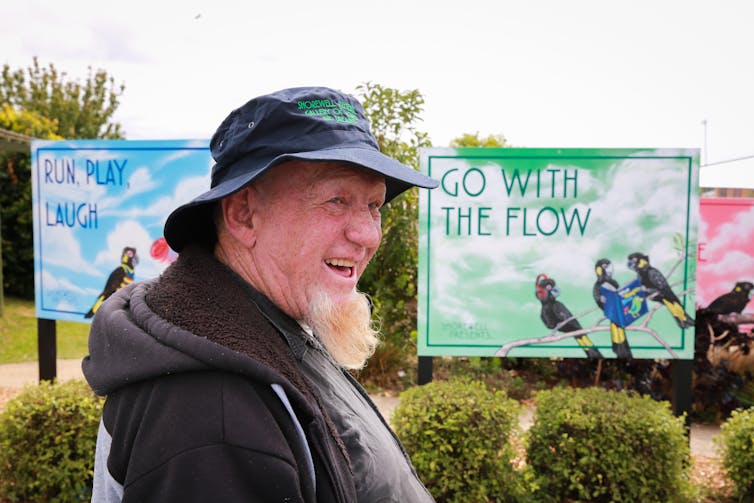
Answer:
(736, 442)
(47, 441)
(647, 377)
(596, 445)
(716, 391)
(746, 394)
(458, 434)
(518, 377)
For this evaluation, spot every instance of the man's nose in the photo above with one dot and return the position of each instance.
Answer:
(364, 229)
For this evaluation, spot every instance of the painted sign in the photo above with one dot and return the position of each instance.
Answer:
(726, 251)
(99, 207)
(558, 252)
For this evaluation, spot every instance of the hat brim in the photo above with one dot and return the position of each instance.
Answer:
(193, 221)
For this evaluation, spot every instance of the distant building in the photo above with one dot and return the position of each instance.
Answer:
(732, 178)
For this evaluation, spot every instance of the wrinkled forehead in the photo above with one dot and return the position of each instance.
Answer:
(300, 175)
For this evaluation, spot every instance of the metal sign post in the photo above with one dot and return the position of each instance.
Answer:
(47, 349)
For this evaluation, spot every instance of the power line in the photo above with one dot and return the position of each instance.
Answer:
(728, 160)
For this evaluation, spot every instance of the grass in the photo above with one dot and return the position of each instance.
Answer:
(18, 334)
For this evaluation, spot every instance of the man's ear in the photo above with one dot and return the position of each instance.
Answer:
(237, 215)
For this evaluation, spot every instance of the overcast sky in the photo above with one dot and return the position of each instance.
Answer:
(548, 73)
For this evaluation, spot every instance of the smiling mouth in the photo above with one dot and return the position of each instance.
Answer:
(341, 266)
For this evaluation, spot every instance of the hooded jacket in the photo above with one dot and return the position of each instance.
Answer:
(213, 394)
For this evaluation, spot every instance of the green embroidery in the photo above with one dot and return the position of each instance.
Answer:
(329, 110)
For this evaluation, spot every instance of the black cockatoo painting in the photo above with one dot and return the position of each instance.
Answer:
(658, 289)
(121, 276)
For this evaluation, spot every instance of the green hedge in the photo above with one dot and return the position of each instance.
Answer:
(602, 446)
(47, 441)
(458, 435)
(736, 443)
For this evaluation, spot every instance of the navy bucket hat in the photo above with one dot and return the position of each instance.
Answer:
(305, 123)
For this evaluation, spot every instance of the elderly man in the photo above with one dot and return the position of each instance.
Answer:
(226, 378)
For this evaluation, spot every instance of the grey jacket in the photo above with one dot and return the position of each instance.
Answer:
(215, 394)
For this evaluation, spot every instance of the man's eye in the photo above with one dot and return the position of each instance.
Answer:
(336, 200)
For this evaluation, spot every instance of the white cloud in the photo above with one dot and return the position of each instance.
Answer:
(60, 248)
(139, 182)
(52, 283)
(65, 305)
(185, 191)
(730, 235)
(735, 263)
(132, 234)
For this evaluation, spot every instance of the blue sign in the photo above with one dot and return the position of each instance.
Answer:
(99, 208)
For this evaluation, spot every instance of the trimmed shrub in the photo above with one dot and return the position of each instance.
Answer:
(596, 445)
(458, 434)
(47, 441)
(736, 444)
(716, 390)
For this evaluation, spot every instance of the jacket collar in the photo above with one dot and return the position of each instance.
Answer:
(296, 337)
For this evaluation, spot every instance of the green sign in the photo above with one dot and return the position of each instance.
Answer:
(558, 252)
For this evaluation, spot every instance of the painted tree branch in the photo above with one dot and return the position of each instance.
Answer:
(736, 318)
(555, 335)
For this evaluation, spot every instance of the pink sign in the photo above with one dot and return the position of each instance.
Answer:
(725, 248)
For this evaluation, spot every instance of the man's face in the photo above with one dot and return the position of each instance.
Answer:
(317, 225)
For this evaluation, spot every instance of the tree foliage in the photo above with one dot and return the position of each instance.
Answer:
(28, 123)
(79, 109)
(474, 140)
(15, 201)
(43, 103)
(391, 276)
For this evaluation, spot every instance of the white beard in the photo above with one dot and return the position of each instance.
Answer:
(346, 330)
